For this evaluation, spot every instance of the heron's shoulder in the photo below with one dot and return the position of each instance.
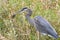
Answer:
(41, 19)
(38, 17)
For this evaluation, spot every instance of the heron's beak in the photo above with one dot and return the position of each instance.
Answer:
(18, 12)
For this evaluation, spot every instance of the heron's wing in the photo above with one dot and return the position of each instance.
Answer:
(44, 26)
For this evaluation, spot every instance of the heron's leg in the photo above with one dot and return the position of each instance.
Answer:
(38, 35)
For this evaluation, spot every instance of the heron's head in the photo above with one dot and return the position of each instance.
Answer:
(26, 10)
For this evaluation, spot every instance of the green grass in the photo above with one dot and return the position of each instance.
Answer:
(18, 28)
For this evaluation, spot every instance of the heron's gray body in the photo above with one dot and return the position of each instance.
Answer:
(41, 25)
(44, 26)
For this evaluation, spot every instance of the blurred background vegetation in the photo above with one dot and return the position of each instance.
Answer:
(18, 28)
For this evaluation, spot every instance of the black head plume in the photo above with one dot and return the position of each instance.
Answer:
(29, 11)
(24, 8)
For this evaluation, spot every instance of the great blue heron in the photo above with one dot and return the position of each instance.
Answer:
(42, 25)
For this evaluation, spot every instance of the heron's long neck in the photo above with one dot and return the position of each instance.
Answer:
(29, 13)
(30, 20)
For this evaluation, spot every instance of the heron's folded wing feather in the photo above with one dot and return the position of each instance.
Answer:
(41, 21)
